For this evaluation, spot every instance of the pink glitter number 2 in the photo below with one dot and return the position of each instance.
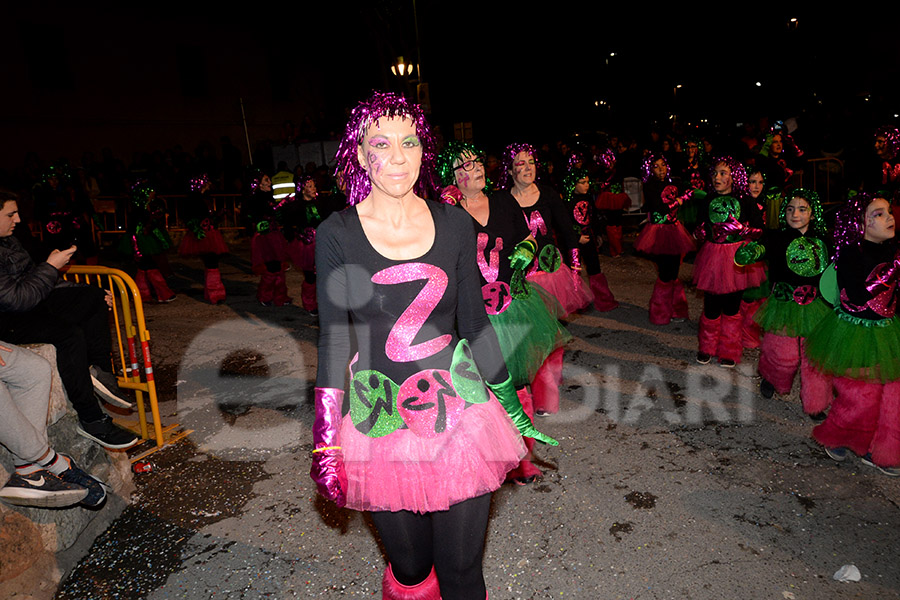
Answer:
(399, 346)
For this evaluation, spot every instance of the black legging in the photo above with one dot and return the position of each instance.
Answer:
(75, 319)
(210, 260)
(667, 265)
(451, 540)
(715, 305)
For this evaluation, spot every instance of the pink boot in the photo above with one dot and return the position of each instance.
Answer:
(614, 235)
(308, 296)
(214, 289)
(141, 281)
(708, 338)
(661, 302)
(391, 589)
(603, 298)
(679, 302)
(281, 297)
(750, 329)
(779, 358)
(265, 291)
(547, 380)
(163, 292)
(729, 348)
(526, 471)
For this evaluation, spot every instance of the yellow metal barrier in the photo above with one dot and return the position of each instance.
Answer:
(134, 346)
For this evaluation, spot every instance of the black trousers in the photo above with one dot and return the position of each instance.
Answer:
(75, 320)
(451, 540)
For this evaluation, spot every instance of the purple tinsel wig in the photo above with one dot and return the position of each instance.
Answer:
(254, 178)
(647, 167)
(351, 175)
(738, 174)
(199, 181)
(509, 156)
(850, 222)
(301, 182)
(891, 138)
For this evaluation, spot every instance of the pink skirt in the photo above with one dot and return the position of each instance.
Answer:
(302, 255)
(664, 238)
(268, 247)
(213, 243)
(403, 471)
(715, 271)
(560, 284)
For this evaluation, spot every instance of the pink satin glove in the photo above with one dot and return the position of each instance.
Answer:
(327, 468)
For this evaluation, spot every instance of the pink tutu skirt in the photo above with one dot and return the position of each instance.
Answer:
(212, 243)
(268, 247)
(715, 271)
(403, 471)
(664, 238)
(560, 284)
(302, 255)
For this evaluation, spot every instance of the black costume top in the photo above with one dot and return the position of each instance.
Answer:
(406, 316)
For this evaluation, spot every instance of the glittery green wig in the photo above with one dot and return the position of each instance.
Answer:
(816, 221)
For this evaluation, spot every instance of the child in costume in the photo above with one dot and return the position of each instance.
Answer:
(268, 247)
(727, 218)
(531, 338)
(302, 215)
(797, 255)
(549, 222)
(203, 237)
(665, 240)
(424, 442)
(577, 186)
(147, 241)
(859, 342)
(753, 297)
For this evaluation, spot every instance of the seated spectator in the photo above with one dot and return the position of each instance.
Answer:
(42, 477)
(37, 307)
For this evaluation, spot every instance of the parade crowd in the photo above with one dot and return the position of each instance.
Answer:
(440, 272)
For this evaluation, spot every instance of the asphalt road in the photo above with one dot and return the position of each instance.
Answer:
(671, 480)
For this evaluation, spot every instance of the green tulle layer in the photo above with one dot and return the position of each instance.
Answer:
(527, 333)
(786, 317)
(861, 349)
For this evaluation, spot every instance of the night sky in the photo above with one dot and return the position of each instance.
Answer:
(518, 71)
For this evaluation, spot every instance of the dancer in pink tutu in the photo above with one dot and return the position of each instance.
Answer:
(203, 237)
(302, 215)
(425, 440)
(859, 342)
(665, 240)
(550, 224)
(267, 246)
(728, 219)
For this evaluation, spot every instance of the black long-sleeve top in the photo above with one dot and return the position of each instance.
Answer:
(858, 265)
(404, 315)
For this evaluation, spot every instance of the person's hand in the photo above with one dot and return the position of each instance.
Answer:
(60, 258)
(584, 239)
(109, 299)
(327, 468)
(5, 349)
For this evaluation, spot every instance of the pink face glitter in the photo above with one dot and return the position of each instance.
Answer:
(398, 346)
